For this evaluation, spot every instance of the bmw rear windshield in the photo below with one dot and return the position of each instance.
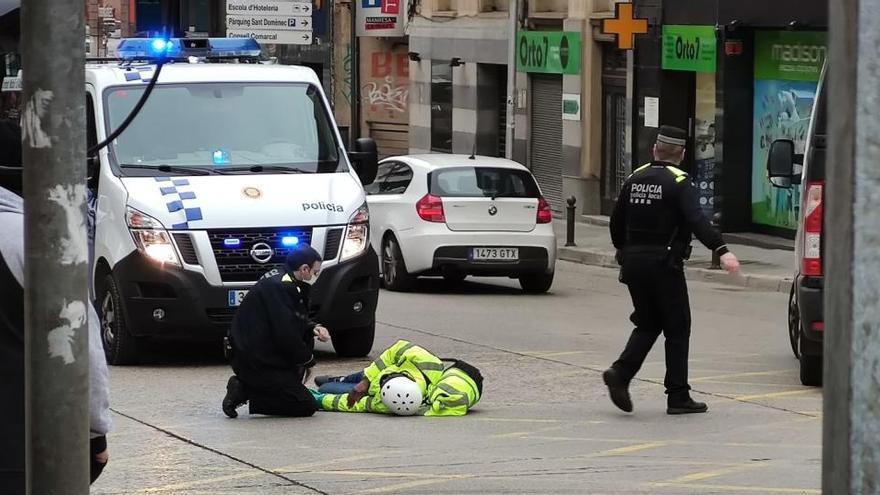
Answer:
(488, 182)
(223, 127)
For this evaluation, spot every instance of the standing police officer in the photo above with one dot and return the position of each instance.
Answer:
(657, 211)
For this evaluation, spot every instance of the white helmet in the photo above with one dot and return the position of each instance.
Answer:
(402, 396)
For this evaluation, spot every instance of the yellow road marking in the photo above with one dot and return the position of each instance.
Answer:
(253, 474)
(743, 374)
(631, 448)
(399, 487)
(779, 394)
(737, 488)
(715, 473)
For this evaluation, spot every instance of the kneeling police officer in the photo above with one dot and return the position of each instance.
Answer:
(272, 340)
(657, 211)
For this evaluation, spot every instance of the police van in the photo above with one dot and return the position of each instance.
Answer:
(227, 165)
(788, 169)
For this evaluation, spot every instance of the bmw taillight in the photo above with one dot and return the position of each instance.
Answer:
(812, 256)
(430, 209)
(545, 214)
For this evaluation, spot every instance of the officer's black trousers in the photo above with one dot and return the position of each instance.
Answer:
(660, 299)
(277, 392)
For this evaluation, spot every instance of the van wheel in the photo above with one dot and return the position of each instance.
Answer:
(120, 346)
(538, 283)
(394, 273)
(794, 324)
(354, 342)
(811, 363)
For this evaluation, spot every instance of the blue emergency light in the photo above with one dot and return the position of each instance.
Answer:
(232, 243)
(289, 240)
(140, 48)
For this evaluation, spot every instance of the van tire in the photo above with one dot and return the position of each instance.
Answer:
(794, 324)
(538, 283)
(811, 370)
(120, 346)
(354, 342)
(394, 274)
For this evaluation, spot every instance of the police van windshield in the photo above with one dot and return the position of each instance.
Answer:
(223, 128)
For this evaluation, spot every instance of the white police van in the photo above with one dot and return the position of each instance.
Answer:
(225, 169)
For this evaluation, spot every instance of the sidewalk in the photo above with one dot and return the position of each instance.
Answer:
(763, 269)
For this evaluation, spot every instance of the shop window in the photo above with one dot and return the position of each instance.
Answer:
(441, 106)
(494, 5)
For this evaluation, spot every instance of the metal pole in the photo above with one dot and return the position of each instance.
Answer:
(569, 222)
(56, 287)
(851, 442)
(355, 131)
(513, 24)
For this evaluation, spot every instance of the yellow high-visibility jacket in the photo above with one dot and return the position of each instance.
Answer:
(449, 392)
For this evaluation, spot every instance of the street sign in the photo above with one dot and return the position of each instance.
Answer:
(269, 7)
(284, 22)
(273, 37)
(267, 23)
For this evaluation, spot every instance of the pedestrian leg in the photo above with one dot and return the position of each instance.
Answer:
(676, 321)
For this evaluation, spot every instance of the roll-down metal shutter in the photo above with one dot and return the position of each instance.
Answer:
(545, 157)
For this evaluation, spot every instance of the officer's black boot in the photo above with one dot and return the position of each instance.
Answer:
(684, 404)
(235, 397)
(618, 389)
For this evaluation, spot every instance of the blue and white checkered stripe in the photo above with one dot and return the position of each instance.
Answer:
(142, 73)
(180, 200)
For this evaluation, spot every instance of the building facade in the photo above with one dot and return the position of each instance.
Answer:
(567, 79)
(736, 75)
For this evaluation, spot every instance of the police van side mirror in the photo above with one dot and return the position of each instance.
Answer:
(781, 163)
(365, 160)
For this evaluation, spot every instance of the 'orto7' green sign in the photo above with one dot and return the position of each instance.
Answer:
(689, 48)
(548, 52)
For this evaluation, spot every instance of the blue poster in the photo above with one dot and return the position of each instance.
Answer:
(782, 111)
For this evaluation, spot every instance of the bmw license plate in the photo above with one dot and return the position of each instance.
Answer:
(236, 297)
(495, 254)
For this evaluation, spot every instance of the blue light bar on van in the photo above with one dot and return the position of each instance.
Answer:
(139, 48)
(232, 243)
(289, 240)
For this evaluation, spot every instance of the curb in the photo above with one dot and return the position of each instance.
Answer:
(760, 283)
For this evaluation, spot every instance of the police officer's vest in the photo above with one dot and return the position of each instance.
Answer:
(680, 175)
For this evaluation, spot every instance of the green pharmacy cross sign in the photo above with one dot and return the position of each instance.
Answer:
(548, 52)
(689, 48)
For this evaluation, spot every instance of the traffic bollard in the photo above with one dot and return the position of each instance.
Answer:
(569, 222)
(716, 259)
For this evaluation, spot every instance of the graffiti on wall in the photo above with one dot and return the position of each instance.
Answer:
(385, 88)
(346, 78)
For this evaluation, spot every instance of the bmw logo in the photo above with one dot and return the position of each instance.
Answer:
(262, 253)
(493, 210)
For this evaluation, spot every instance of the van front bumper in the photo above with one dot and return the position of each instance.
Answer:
(170, 302)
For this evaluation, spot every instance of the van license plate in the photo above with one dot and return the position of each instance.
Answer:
(236, 297)
(495, 254)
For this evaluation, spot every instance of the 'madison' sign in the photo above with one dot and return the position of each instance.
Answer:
(790, 55)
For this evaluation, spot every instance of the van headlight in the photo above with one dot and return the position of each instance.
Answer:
(357, 235)
(150, 237)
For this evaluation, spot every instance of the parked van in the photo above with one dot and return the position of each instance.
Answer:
(806, 324)
(225, 169)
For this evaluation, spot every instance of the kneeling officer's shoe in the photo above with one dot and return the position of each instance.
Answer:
(235, 397)
(685, 406)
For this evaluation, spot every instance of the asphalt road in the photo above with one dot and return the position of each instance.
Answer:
(544, 425)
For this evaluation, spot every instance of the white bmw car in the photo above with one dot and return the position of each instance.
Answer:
(456, 215)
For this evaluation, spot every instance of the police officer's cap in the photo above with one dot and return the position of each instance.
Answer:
(672, 135)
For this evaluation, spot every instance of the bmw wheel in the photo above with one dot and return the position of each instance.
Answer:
(394, 273)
